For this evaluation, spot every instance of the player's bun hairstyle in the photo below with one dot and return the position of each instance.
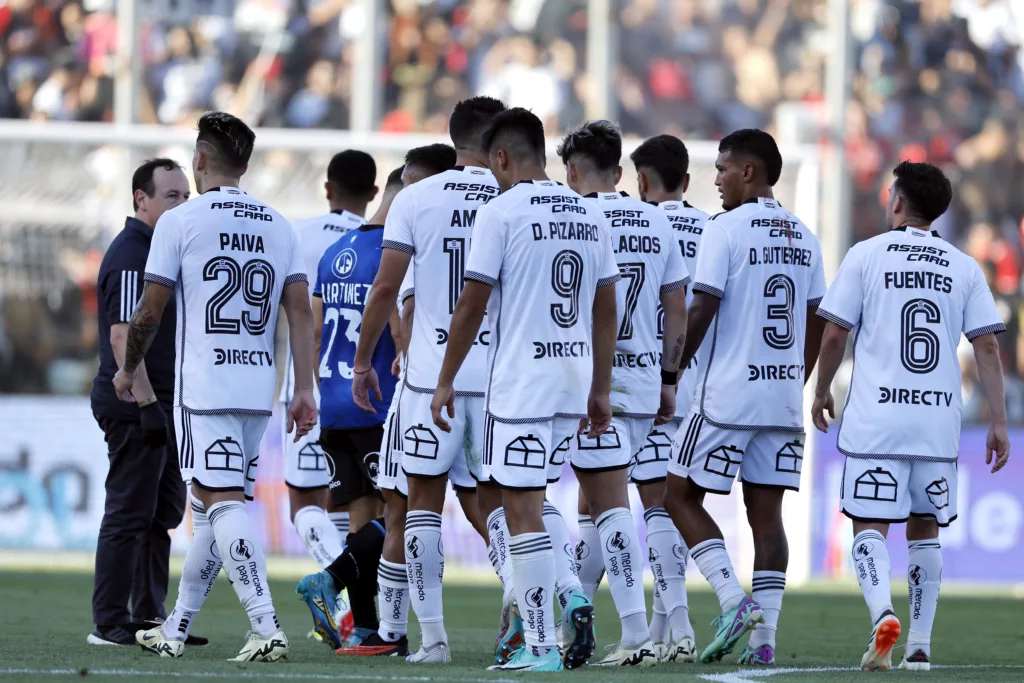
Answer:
(926, 188)
(353, 173)
(666, 155)
(395, 178)
(758, 144)
(436, 158)
(142, 179)
(599, 142)
(519, 128)
(470, 119)
(231, 139)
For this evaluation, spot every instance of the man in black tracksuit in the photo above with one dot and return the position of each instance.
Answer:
(145, 495)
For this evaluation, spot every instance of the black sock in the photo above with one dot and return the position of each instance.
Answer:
(356, 568)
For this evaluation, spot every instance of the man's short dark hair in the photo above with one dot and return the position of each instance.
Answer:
(395, 178)
(598, 142)
(470, 119)
(666, 155)
(925, 187)
(758, 144)
(230, 140)
(436, 158)
(517, 129)
(142, 179)
(353, 173)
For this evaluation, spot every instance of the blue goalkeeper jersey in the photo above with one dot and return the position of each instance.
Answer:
(343, 282)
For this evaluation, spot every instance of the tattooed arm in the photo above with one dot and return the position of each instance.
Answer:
(673, 339)
(144, 324)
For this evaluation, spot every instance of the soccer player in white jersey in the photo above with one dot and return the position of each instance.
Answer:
(430, 227)
(653, 276)
(662, 169)
(231, 260)
(349, 188)
(758, 282)
(908, 296)
(543, 269)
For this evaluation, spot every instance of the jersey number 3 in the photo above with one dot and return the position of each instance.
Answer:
(782, 292)
(256, 282)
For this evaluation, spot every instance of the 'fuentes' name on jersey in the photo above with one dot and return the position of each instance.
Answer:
(918, 279)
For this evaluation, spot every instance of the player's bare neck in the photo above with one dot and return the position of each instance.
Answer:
(211, 181)
(529, 171)
(902, 222)
(758, 192)
(358, 208)
(465, 157)
(591, 185)
(661, 196)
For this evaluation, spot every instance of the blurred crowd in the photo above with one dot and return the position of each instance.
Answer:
(935, 80)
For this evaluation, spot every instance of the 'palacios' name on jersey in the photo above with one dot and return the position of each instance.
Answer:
(915, 397)
(242, 357)
(786, 256)
(233, 241)
(576, 349)
(918, 279)
(626, 218)
(255, 212)
(558, 203)
(637, 244)
(760, 372)
(475, 192)
(347, 293)
(920, 253)
(566, 230)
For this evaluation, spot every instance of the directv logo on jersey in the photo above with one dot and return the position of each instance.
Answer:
(578, 349)
(484, 338)
(758, 372)
(648, 359)
(915, 397)
(242, 357)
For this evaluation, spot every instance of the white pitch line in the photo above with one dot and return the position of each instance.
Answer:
(747, 676)
(249, 674)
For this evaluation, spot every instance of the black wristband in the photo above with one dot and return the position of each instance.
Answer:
(669, 377)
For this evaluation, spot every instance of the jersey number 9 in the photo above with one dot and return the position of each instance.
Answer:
(566, 280)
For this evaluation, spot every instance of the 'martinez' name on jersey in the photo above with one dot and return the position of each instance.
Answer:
(545, 261)
(229, 257)
(765, 266)
(315, 235)
(650, 264)
(433, 220)
(688, 224)
(909, 296)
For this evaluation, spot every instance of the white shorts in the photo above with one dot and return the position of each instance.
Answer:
(220, 452)
(429, 452)
(878, 490)
(711, 457)
(527, 455)
(305, 465)
(650, 464)
(614, 449)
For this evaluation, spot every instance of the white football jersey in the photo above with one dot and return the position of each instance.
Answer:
(433, 220)
(765, 266)
(649, 265)
(688, 224)
(315, 235)
(229, 257)
(545, 250)
(908, 295)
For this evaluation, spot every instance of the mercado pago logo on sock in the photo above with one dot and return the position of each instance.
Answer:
(535, 598)
(241, 550)
(617, 542)
(415, 547)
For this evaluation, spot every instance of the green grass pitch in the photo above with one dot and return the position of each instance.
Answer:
(47, 616)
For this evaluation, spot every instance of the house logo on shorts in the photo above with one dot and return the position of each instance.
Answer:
(617, 542)
(344, 263)
(938, 493)
(657, 447)
(420, 442)
(535, 597)
(724, 461)
(225, 455)
(877, 484)
(241, 550)
(790, 457)
(312, 458)
(525, 451)
(414, 546)
(916, 575)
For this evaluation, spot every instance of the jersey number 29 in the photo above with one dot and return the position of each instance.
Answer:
(255, 280)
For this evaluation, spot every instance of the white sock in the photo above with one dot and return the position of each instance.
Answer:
(497, 531)
(660, 627)
(340, 521)
(244, 564)
(668, 555)
(566, 580)
(872, 566)
(319, 534)
(923, 578)
(424, 564)
(533, 571)
(392, 600)
(589, 560)
(768, 588)
(624, 565)
(713, 562)
(202, 565)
